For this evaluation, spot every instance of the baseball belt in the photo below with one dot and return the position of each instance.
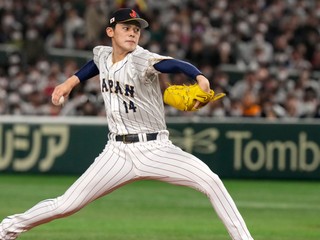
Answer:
(132, 138)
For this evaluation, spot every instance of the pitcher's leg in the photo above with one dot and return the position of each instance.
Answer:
(107, 173)
(170, 164)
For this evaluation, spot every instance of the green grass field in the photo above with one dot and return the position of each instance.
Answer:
(149, 210)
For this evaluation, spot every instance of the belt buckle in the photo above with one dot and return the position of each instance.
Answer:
(124, 140)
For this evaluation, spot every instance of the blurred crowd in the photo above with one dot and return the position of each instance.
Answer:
(275, 44)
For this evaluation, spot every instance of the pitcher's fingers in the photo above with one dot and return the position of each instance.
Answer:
(55, 99)
(56, 95)
(196, 105)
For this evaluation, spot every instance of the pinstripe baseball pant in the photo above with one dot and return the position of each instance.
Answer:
(121, 163)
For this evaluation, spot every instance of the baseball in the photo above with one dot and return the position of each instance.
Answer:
(61, 100)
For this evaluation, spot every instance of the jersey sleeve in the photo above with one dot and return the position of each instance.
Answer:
(98, 51)
(144, 61)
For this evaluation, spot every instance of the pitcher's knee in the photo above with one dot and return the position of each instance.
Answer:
(61, 208)
(212, 179)
(209, 183)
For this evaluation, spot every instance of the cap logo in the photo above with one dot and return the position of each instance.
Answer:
(133, 14)
(112, 20)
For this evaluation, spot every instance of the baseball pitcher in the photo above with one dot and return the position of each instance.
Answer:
(138, 145)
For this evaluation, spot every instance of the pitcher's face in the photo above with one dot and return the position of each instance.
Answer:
(125, 36)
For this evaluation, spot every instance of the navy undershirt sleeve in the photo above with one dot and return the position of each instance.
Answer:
(177, 66)
(88, 71)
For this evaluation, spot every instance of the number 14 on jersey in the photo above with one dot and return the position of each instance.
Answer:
(129, 106)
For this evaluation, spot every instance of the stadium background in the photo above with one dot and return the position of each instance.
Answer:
(264, 54)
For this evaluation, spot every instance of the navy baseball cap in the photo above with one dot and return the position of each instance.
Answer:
(126, 15)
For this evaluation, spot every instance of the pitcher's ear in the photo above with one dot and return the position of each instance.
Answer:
(109, 31)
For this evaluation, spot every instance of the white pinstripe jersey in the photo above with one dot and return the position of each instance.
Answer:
(131, 91)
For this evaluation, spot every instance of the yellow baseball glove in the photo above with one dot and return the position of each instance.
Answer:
(184, 97)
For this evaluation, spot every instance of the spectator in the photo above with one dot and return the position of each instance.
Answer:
(310, 103)
(268, 110)
(315, 59)
(73, 25)
(95, 21)
(250, 108)
(291, 106)
(250, 83)
(235, 109)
